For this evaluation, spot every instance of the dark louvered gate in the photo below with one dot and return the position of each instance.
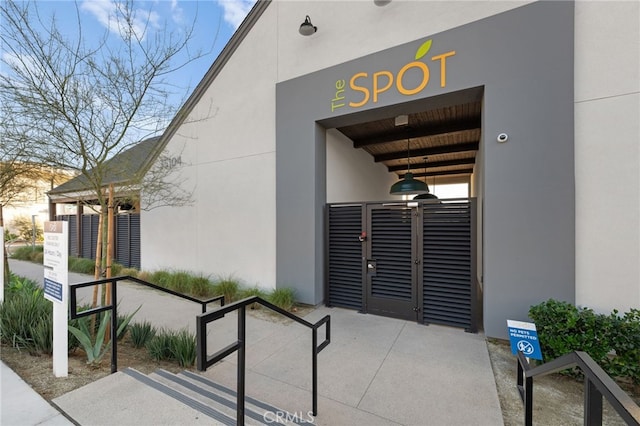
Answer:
(344, 256)
(412, 260)
(89, 235)
(448, 268)
(127, 241)
(127, 251)
(73, 233)
(391, 269)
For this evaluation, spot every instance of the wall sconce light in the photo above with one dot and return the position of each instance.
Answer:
(381, 2)
(307, 28)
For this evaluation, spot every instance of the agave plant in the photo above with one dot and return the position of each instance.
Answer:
(96, 349)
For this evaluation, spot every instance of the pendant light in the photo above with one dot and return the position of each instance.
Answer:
(408, 185)
(428, 195)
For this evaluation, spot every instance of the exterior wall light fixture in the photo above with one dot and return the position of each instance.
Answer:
(381, 2)
(307, 28)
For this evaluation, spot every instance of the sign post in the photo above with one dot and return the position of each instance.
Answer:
(523, 337)
(56, 289)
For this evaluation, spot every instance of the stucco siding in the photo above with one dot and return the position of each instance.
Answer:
(352, 174)
(227, 145)
(607, 154)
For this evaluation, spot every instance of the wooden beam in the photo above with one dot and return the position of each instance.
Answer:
(433, 164)
(425, 152)
(443, 173)
(412, 133)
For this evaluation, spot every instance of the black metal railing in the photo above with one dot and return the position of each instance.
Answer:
(597, 383)
(238, 346)
(73, 297)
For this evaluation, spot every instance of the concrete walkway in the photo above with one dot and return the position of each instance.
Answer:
(376, 371)
(22, 406)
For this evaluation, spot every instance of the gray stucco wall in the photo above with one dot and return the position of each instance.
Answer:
(521, 62)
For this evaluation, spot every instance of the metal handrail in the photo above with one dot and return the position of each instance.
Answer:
(73, 301)
(204, 361)
(597, 383)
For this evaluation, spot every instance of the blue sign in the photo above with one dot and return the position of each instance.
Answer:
(524, 338)
(53, 289)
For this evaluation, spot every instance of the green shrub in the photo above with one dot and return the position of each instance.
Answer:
(23, 225)
(141, 333)
(169, 345)
(129, 272)
(42, 335)
(626, 342)
(283, 298)
(161, 278)
(201, 286)
(116, 269)
(228, 287)
(28, 253)
(82, 265)
(253, 291)
(26, 319)
(19, 284)
(144, 276)
(612, 341)
(21, 314)
(179, 282)
(183, 348)
(8, 235)
(159, 347)
(563, 328)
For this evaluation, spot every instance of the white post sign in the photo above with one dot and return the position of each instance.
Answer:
(56, 289)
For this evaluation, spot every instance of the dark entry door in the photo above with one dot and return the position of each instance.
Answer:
(391, 261)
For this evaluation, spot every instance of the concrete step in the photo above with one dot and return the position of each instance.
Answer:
(222, 398)
(164, 398)
(208, 410)
(123, 400)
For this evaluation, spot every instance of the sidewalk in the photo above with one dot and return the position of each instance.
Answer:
(376, 370)
(22, 406)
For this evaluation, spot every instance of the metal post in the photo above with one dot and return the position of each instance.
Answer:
(528, 402)
(314, 367)
(592, 404)
(201, 344)
(520, 374)
(114, 327)
(241, 366)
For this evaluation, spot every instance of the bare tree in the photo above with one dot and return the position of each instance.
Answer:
(16, 173)
(78, 103)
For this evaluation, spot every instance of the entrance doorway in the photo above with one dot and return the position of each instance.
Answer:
(412, 260)
(392, 261)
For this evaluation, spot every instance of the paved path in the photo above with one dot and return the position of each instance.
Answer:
(375, 371)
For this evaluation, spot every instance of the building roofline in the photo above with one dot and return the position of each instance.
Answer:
(221, 60)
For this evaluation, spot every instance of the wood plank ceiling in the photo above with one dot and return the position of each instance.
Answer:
(448, 137)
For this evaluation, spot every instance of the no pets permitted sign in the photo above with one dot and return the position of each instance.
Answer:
(524, 338)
